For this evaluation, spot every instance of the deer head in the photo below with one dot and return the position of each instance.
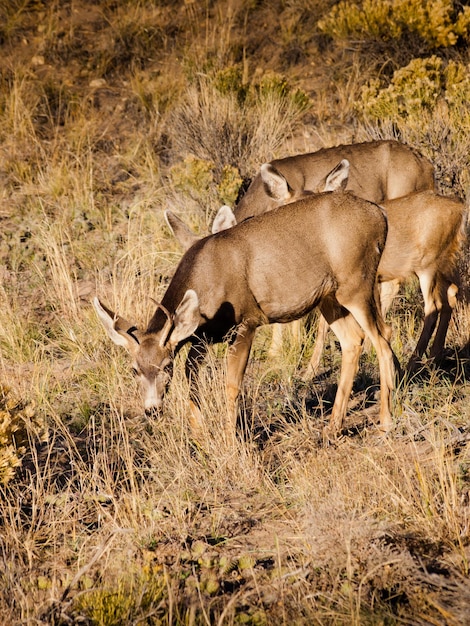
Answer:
(153, 352)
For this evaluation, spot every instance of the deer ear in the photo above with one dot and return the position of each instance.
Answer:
(182, 233)
(337, 178)
(224, 219)
(119, 330)
(274, 182)
(186, 318)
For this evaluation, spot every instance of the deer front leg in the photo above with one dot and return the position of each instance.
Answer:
(314, 363)
(196, 355)
(237, 359)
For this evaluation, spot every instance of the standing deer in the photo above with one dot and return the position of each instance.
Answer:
(425, 234)
(379, 170)
(323, 250)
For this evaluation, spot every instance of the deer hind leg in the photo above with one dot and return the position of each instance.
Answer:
(370, 320)
(432, 307)
(440, 298)
(388, 291)
(350, 336)
(449, 292)
(237, 359)
(432, 297)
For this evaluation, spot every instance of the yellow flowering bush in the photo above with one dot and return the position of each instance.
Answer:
(198, 178)
(420, 87)
(16, 417)
(229, 185)
(426, 104)
(434, 21)
(192, 176)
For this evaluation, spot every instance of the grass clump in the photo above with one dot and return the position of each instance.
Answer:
(229, 122)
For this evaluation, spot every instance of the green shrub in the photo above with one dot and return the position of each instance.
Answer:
(414, 88)
(198, 180)
(192, 176)
(432, 21)
(229, 185)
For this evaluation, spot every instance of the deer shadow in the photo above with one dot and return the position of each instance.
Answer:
(314, 400)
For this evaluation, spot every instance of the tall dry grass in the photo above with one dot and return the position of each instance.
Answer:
(115, 518)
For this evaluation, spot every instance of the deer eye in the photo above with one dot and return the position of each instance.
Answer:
(135, 371)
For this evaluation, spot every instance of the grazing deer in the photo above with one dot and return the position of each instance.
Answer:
(425, 234)
(323, 250)
(379, 170)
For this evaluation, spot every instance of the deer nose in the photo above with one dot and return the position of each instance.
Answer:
(153, 411)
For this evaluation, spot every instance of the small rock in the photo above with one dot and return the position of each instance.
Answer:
(38, 60)
(96, 83)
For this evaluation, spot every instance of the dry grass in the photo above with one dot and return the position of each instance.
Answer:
(114, 518)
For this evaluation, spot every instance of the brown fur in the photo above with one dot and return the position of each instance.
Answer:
(424, 239)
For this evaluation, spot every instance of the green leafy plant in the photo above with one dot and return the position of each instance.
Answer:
(418, 87)
(197, 178)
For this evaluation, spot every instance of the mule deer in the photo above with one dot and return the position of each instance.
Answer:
(425, 233)
(274, 267)
(379, 170)
(424, 237)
